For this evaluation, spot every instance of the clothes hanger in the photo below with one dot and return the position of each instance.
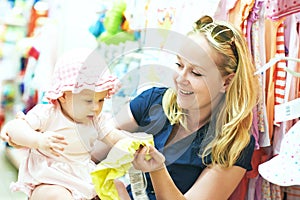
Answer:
(276, 59)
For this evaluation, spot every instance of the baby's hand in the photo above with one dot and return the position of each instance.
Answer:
(148, 159)
(5, 137)
(20, 115)
(52, 142)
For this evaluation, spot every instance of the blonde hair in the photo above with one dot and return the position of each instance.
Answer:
(173, 112)
(234, 120)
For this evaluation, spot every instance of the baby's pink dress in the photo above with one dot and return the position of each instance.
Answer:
(70, 170)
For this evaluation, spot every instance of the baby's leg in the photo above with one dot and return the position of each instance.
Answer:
(51, 192)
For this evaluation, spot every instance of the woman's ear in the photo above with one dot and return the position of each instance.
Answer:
(226, 81)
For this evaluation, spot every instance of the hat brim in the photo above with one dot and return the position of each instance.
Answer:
(281, 170)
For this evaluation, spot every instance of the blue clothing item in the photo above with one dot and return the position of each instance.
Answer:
(183, 159)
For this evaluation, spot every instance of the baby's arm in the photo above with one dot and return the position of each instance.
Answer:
(105, 127)
(113, 137)
(21, 133)
(112, 134)
(4, 135)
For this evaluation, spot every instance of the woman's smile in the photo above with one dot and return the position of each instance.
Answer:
(185, 92)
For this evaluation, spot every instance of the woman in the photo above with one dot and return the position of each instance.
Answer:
(203, 145)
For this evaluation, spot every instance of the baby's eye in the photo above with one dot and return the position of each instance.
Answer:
(178, 65)
(196, 73)
(89, 101)
(101, 100)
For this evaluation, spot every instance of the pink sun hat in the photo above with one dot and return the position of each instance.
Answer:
(81, 69)
(284, 169)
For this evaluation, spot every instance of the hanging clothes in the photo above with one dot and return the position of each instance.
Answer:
(240, 12)
(276, 9)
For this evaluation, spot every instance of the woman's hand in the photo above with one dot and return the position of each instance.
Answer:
(52, 142)
(142, 162)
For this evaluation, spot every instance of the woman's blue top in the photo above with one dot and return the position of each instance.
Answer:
(182, 158)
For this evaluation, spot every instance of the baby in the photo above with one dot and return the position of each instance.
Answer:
(61, 135)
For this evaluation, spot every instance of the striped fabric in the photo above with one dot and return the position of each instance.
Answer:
(280, 73)
(244, 28)
(292, 192)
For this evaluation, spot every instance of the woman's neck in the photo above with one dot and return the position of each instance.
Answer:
(195, 119)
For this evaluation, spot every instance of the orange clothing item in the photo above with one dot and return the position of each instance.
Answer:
(240, 12)
(271, 28)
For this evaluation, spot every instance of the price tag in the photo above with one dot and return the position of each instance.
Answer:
(287, 111)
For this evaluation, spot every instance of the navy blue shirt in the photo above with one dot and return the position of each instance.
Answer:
(183, 158)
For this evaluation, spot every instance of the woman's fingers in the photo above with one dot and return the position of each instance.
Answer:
(148, 159)
(156, 155)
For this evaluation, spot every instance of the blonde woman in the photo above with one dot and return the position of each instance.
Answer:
(203, 144)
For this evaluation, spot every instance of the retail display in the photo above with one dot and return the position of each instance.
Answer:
(34, 33)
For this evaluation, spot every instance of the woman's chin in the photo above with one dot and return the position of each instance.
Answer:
(185, 103)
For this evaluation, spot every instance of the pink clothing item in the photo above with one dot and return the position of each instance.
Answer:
(254, 127)
(284, 169)
(258, 53)
(276, 9)
(253, 16)
(72, 169)
(223, 8)
(252, 192)
(81, 69)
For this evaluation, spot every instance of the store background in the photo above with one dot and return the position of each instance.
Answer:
(65, 24)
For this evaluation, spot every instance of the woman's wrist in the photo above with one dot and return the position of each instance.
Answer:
(159, 170)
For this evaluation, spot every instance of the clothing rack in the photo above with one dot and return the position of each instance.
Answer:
(276, 59)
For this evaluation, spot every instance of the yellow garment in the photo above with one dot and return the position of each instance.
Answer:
(116, 165)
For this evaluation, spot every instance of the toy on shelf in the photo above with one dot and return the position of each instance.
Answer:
(116, 28)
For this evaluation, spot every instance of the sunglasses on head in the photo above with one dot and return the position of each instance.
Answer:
(220, 33)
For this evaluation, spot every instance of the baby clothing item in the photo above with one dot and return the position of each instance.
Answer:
(284, 169)
(73, 167)
(117, 164)
(276, 9)
(81, 69)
